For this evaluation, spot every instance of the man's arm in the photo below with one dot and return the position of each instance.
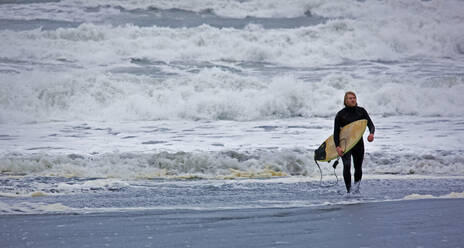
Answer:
(371, 127)
(336, 135)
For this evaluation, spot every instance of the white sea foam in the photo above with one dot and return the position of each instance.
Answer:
(103, 72)
(92, 72)
(215, 94)
(18, 194)
(72, 11)
(45, 208)
(452, 195)
(97, 184)
(292, 8)
(357, 30)
(34, 208)
(161, 165)
(214, 165)
(28, 208)
(329, 43)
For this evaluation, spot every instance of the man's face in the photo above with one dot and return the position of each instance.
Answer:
(350, 100)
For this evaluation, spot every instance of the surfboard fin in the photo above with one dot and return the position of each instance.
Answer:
(335, 164)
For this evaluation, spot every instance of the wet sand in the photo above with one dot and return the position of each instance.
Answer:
(413, 223)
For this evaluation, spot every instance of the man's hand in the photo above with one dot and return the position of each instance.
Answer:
(339, 151)
(370, 138)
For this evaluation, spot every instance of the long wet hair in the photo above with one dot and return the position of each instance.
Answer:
(346, 96)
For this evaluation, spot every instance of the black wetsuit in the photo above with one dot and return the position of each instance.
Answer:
(344, 117)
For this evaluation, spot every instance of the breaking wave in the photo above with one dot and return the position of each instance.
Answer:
(217, 165)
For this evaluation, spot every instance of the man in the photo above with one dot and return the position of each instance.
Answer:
(352, 112)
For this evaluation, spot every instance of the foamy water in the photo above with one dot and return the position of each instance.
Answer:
(114, 98)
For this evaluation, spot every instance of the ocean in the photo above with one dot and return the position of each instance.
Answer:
(109, 106)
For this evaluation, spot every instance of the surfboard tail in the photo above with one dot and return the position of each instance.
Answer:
(319, 153)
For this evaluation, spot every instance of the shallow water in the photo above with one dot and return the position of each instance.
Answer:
(114, 105)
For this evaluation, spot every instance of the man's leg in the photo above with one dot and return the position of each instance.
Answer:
(358, 156)
(347, 170)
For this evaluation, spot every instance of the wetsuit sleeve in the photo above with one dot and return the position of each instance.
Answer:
(336, 133)
(370, 124)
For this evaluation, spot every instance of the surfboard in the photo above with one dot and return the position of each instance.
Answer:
(349, 137)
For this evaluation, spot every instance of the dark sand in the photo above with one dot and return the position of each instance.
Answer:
(414, 223)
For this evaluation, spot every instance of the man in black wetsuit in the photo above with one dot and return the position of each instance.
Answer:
(352, 112)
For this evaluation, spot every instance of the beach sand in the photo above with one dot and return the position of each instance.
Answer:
(407, 223)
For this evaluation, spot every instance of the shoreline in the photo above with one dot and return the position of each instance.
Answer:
(408, 223)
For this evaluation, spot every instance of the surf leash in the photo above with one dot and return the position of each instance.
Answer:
(335, 173)
(334, 166)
